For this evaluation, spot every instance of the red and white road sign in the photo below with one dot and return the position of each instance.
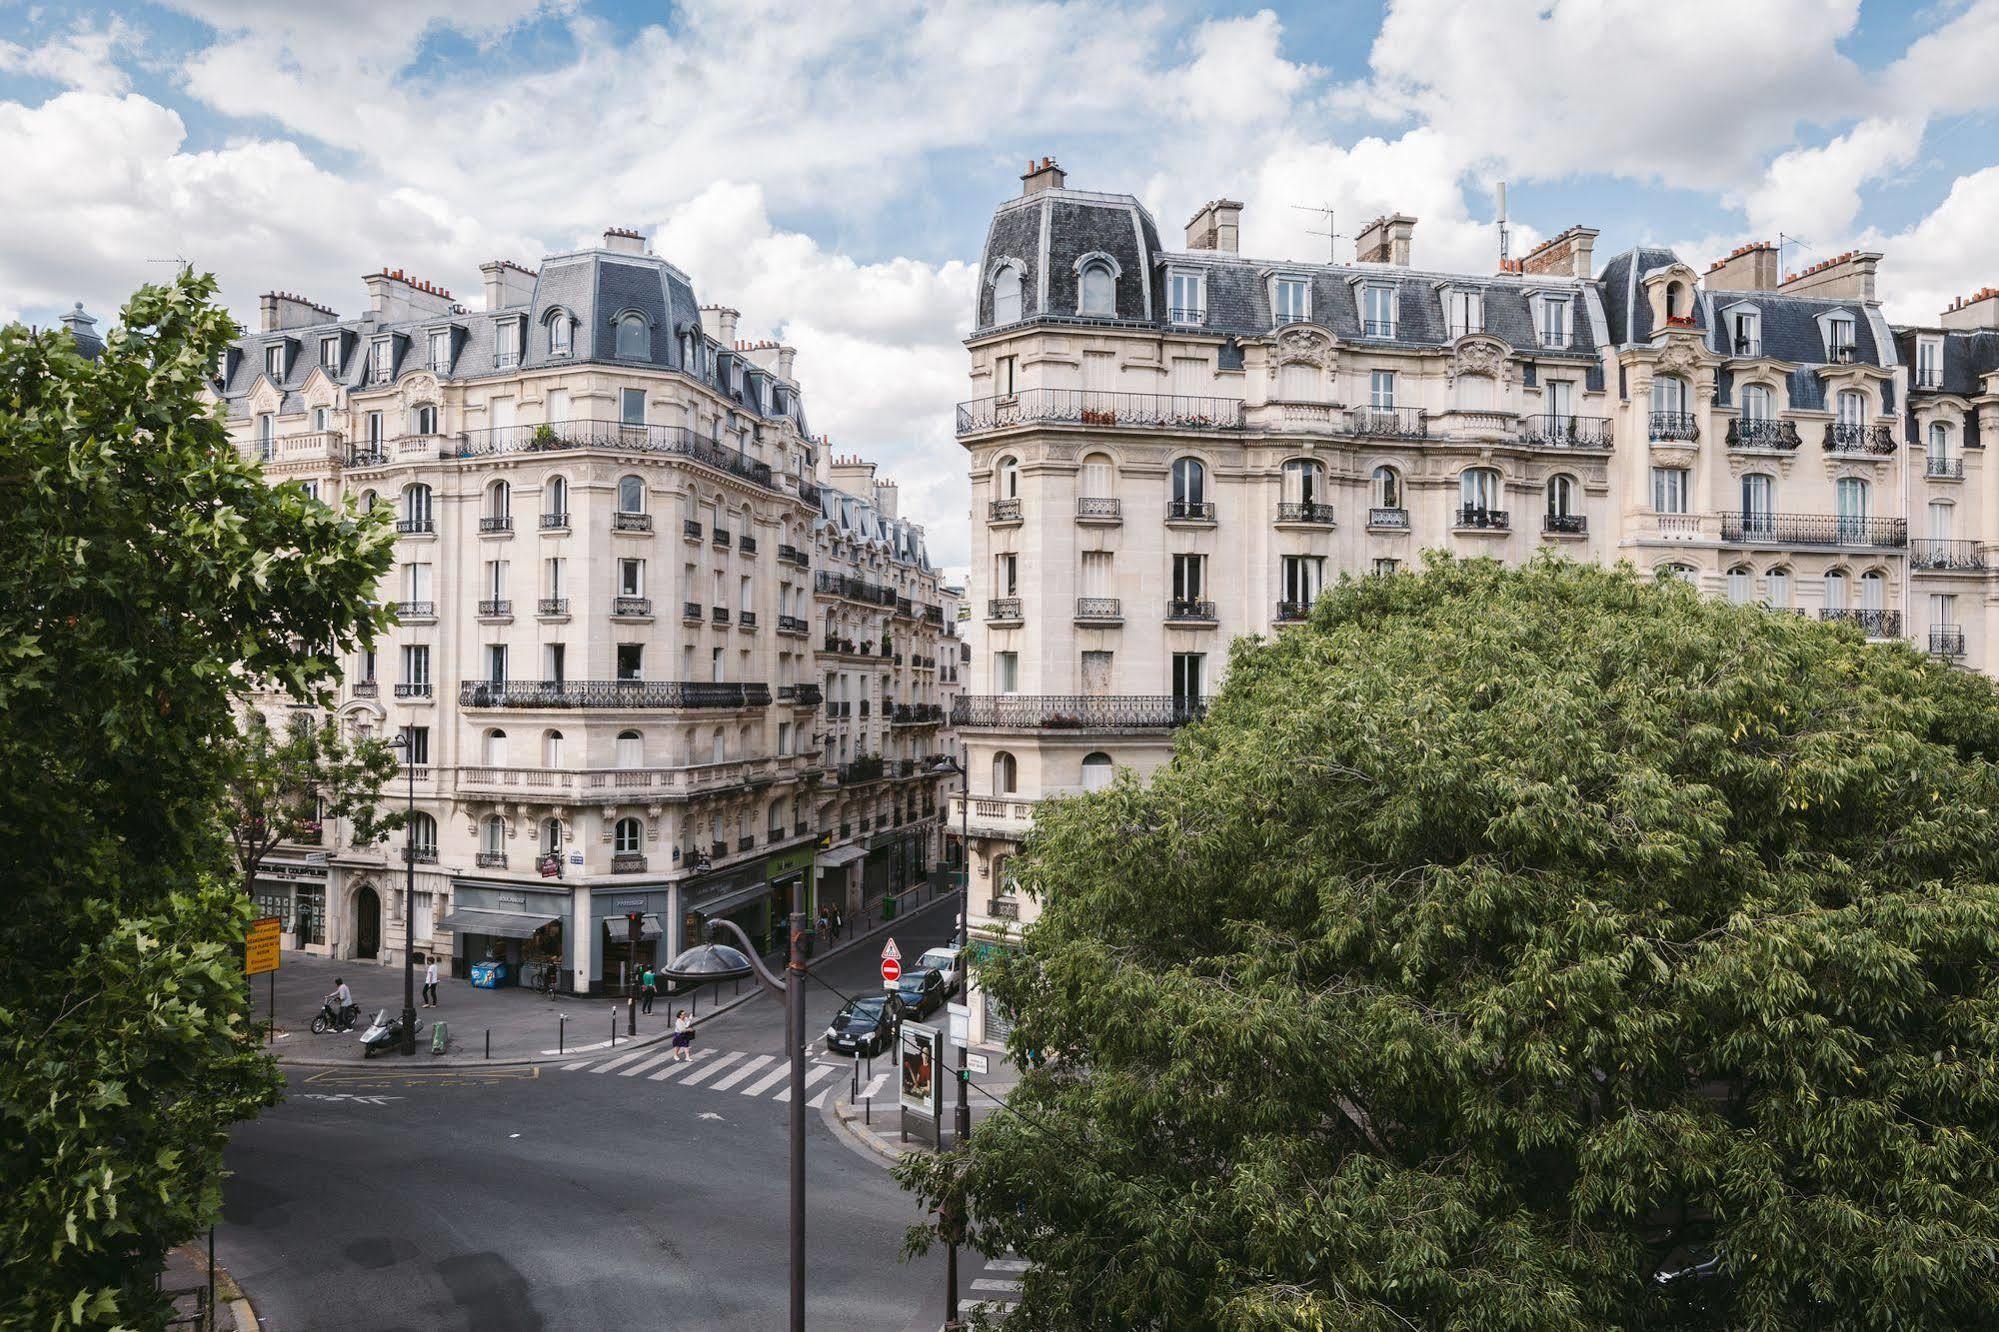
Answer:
(890, 950)
(891, 970)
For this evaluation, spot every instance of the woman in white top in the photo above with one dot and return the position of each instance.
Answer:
(430, 983)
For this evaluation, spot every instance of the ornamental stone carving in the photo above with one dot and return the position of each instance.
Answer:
(419, 390)
(1479, 355)
(1301, 344)
(1682, 356)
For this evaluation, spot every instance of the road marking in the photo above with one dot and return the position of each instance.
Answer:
(710, 1114)
(709, 1070)
(645, 1064)
(874, 1085)
(671, 1069)
(1007, 1265)
(741, 1073)
(812, 1075)
(420, 1077)
(616, 1060)
(571, 1068)
(988, 1283)
(767, 1081)
(349, 1097)
(819, 1099)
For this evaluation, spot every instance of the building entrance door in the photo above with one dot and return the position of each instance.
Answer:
(367, 923)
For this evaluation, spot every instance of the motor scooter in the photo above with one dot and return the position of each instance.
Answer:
(329, 1020)
(385, 1033)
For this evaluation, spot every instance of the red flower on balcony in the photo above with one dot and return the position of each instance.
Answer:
(1680, 321)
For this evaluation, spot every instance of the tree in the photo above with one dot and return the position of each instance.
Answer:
(148, 575)
(1517, 949)
(283, 787)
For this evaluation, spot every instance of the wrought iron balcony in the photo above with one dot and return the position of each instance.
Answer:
(1190, 511)
(1395, 519)
(416, 610)
(1093, 407)
(1002, 608)
(1944, 469)
(690, 529)
(631, 605)
(419, 855)
(616, 436)
(807, 695)
(631, 522)
(867, 768)
(1003, 511)
(371, 456)
(1565, 524)
(916, 714)
(1076, 712)
(366, 689)
(496, 606)
(1477, 517)
(792, 624)
(1389, 422)
(551, 522)
(1873, 623)
(854, 589)
(746, 619)
(552, 606)
(719, 614)
(1854, 437)
(1928, 379)
(1099, 609)
(1003, 908)
(610, 694)
(1930, 553)
(1946, 640)
(416, 526)
(1317, 515)
(419, 689)
(792, 555)
(628, 862)
(1289, 612)
(1762, 433)
(490, 860)
(720, 536)
(1192, 610)
(1098, 509)
(1673, 426)
(746, 544)
(1559, 431)
(690, 610)
(496, 523)
(1793, 529)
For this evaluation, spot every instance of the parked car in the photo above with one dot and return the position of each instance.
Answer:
(922, 992)
(947, 962)
(866, 1026)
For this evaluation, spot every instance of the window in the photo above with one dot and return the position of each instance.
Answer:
(1943, 611)
(1378, 311)
(625, 837)
(1190, 482)
(1190, 579)
(368, 665)
(416, 747)
(423, 836)
(551, 834)
(1554, 327)
(556, 576)
(1304, 575)
(507, 343)
(1381, 390)
(631, 661)
(1738, 585)
(631, 749)
(551, 749)
(1669, 489)
(1852, 499)
(1385, 564)
(1387, 488)
(1852, 406)
(631, 578)
(558, 334)
(1777, 588)
(373, 423)
(416, 507)
(1669, 395)
(1745, 329)
(496, 662)
(1561, 496)
(1003, 375)
(329, 355)
(1096, 581)
(1304, 481)
(632, 406)
(500, 500)
(1098, 478)
(1290, 300)
(1099, 289)
(1561, 398)
(1006, 672)
(1464, 312)
(1839, 337)
(553, 663)
(555, 499)
(1479, 491)
(1006, 478)
(1097, 771)
(274, 362)
(631, 494)
(1006, 574)
(1929, 363)
(322, 419)
(1186, 297)
(267, 428)
(1759, 493)
(1006, 295)
(634, 338)
(1755, 402)
(496, 580)
(495, 749)
(423, 420)
(1872, 590)
(1836, 590)
(440, 350)
(1939, 444)
(310, 489)
(1941, 514)
(492, 836)
(1189, 677)
(382, 359)
(1006, 774)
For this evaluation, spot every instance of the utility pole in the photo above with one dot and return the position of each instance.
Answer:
(632, 919)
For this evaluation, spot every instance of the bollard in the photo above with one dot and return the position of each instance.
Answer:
(489, 1042)
(561, 1021)
(695, 1011)
(614, 1026)
(440, 1037)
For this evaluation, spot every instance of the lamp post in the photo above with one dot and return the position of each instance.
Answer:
(961, 1124)
(961, 767)
(408, 1046)
(718, 962)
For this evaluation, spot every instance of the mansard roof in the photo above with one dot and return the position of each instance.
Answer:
(1968, 356)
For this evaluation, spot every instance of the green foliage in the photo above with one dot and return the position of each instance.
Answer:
(1501, 941)
(148, 574)
(283, 786)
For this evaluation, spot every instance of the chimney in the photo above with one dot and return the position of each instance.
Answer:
(1848, 276)
(624, 240)
(1566, 255)
(1980, 310)
(282, 310)
(1751, 267)
(1043, 176)
(787, 358)
(885, 496)
(1385, 240)
(84, 330)
(852, 475)
(507, 284)
(722, 327)
(395, 297)
(1215, 226)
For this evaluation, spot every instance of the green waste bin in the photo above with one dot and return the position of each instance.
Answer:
(888, 907)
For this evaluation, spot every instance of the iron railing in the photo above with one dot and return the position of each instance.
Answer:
(1003, 908)
(490, 860)
(416, 610)
(1948, 468)
(791, 624)
(718, 614)
(1673, 426)
(552, 606)
(867, 768)
(1003, 608)
(807, 695)
(1794, 529)
(1289, 611)
(1389, 422)
(791, 555)
(1181, 314)
(1076, 712)
(418, 689)
(1569, 524)
(1190, 608)
(1099, 508)
(854, 589)
(1855, 437)
(366, 689)
(1095, 407)
(631, 522)
(1392, 518)
(610, 694)
(1931, 553)
(746, 619)
(747, 544)
(415, 526)
(628, 862)
(552, 521)
(371, 456)
(916, 714)
(496, 523)
(1478, 516)
(690, 610)
(1555, 430)
(1003, 511)
(556, 436)
(1946, 640)
(690, 529)
(631, 605)
(1762, 434)
(1098, 608)
(720, 536)
(496, 606)
(1873, 623)
(1190, 511)
(1289, 511)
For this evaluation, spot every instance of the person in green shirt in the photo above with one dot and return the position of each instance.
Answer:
(648, 988)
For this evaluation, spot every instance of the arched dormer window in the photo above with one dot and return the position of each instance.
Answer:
(561, 329)
(1007, 302)
(634, 337)
(1096, 284)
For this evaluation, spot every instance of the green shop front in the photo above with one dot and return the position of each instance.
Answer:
(757, 896)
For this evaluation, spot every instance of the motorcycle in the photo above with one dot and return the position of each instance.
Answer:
(329, 1020)
(385, 1033)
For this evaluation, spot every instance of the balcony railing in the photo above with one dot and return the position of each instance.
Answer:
(1873, 623)
(490, 860)
(672, 441)
(552, 606)
(807, 695)
(1099, 608)
(791, 624)
(610, 694)
(1396, 519)
(1477, 517)
(1389, 422)
(1076, 712)
(496, 606)
(1003, 511)
(1098, 509)
(496, 523)
(1093, 407)
(1762, 434)
(420, 689)
(690, 529)
(718, 614)
(552, 522)
(747, 544)
(1948, 469)
(1854, 437)
(868, 768)
(631, 522)
(854, 589)
(791, 555)
(631, 605)
(720, 536)
(1003, 908)
(366, 689)
(628, 862)
(1318, 515)
(415, 526)
(1181, 314)
(1289, 612)
(1673, 426)
(368, 455)
(916, 714)
(416, 610)
(1946, 640)
(419, 855)
(746, 619)
(1931, 553)
(1565, 524)
(1794, 529)
(1190, 511)
(1554, 430)
(1003, 608)
(690, 610)
(1190, 610)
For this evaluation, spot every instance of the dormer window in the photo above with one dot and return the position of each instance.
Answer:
(440, 350)
(1186, 297)
(1839, 337)
(1097, 285)
(329, 355)
(558, 334)
(1464, 312)
(1377, 307)
(507, 343)
(1929, 362)
(634, 338)
(1006, 295)
(274, 363)
(382, 360)
(1290, 300)
(1745, 333)
(1555, 321)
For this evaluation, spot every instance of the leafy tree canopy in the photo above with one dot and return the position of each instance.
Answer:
(148, 576)
(1537, 949)
(285, 783)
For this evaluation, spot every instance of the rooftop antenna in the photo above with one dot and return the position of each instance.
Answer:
(1783, 240)
(1324, 210)
(1503, 248)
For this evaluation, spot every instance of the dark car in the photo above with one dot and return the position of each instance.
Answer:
(865, 1026)
(922, 992)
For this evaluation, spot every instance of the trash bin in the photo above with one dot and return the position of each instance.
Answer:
(888, 907)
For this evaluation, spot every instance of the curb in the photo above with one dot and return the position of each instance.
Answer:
(847, 1121)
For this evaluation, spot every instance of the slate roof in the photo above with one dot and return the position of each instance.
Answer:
(1968, 354)
(858, 519)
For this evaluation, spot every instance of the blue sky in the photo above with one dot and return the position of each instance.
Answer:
(829, 169)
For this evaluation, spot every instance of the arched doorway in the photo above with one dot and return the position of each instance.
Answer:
(367, 923)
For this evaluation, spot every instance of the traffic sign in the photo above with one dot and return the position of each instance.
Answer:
(260, 946)
(890, 950)
(891, 969)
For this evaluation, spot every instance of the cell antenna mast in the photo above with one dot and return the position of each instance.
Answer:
(1332, 236)
(1503, 252)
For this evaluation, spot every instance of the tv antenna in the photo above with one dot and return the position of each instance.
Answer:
(1503, 249)
(1325, 211)
(1782, 241)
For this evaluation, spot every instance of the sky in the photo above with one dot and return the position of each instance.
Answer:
(829, 169)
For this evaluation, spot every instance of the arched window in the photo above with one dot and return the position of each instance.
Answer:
(1097, 771)
(1305, 481)
(1873, 590)
(1939, 447)
(1006, 774)
(1777, 588)
(1006, 295)
(1738, 584)
(1561, 496)
(718, 747)
(1676, 300)
(1836, 590)
(555, 498)
(631, 749)
(1479, 496)
(1387, 488)
(368, 501)
(626, 835)
(1190, 482)
(1755, 402)
(496, 749)
(423, 836)
(631, 494)
(492, 836)
(551, 837)
(1006, 477)
(1098, 289)
(1099, 476)
(634, 338)
(423, 420)
(559, 326)
(551, 749)
(1852, 405)
(499, 500)
(1676, 573)
(1669, 394)
(416, 508)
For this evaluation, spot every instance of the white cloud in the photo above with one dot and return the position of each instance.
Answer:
(1949, 70)
(1815, 192)
(84, 57)
(1953, 251)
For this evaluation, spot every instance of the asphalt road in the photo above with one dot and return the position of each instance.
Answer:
(400, 1197)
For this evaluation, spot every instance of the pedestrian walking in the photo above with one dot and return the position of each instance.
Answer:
(430, 983)
(839, 922)
(683, 1037)
(648, 988)
(826, 924)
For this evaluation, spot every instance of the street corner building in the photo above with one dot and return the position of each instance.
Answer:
(1171, 447)
(657, 651)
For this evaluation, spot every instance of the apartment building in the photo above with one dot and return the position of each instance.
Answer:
(1171, 447)
(609, 663)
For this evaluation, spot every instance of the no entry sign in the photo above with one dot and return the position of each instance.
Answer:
(891, 969)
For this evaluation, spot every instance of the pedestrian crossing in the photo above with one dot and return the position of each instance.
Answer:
(724, 1072)
(997, 1288)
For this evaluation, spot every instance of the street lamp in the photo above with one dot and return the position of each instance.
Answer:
(964, 844)
(402, 742)
(961, 1125)
(719, 962)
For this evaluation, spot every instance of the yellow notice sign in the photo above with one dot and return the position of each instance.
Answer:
(260, 946)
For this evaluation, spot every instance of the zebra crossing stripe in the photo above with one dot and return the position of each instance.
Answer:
(1007, 1265)
(874, 1085)
(710, 1070)
(645, 1064)
(673, 1069)
(812, 1075)
(612, 1063)
(571, 1068)
(745, 1071)
(990, 1283)
(818, 1098)
(767, 1081)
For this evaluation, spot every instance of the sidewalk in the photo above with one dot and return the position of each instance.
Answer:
(872, 1120)
(187, 1272)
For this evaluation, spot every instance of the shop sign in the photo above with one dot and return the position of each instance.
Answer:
(269, 870)
(510, 899)
(631, 904)
(785, 862)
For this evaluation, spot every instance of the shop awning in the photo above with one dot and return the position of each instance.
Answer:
(841, 855)
(650, 928)
(727, 902)
(498, 924)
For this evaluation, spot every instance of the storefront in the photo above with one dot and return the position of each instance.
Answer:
(757, 897)
(518, 926)
(295, 892)
(896, 861)
(617, 958)
(840, 876)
